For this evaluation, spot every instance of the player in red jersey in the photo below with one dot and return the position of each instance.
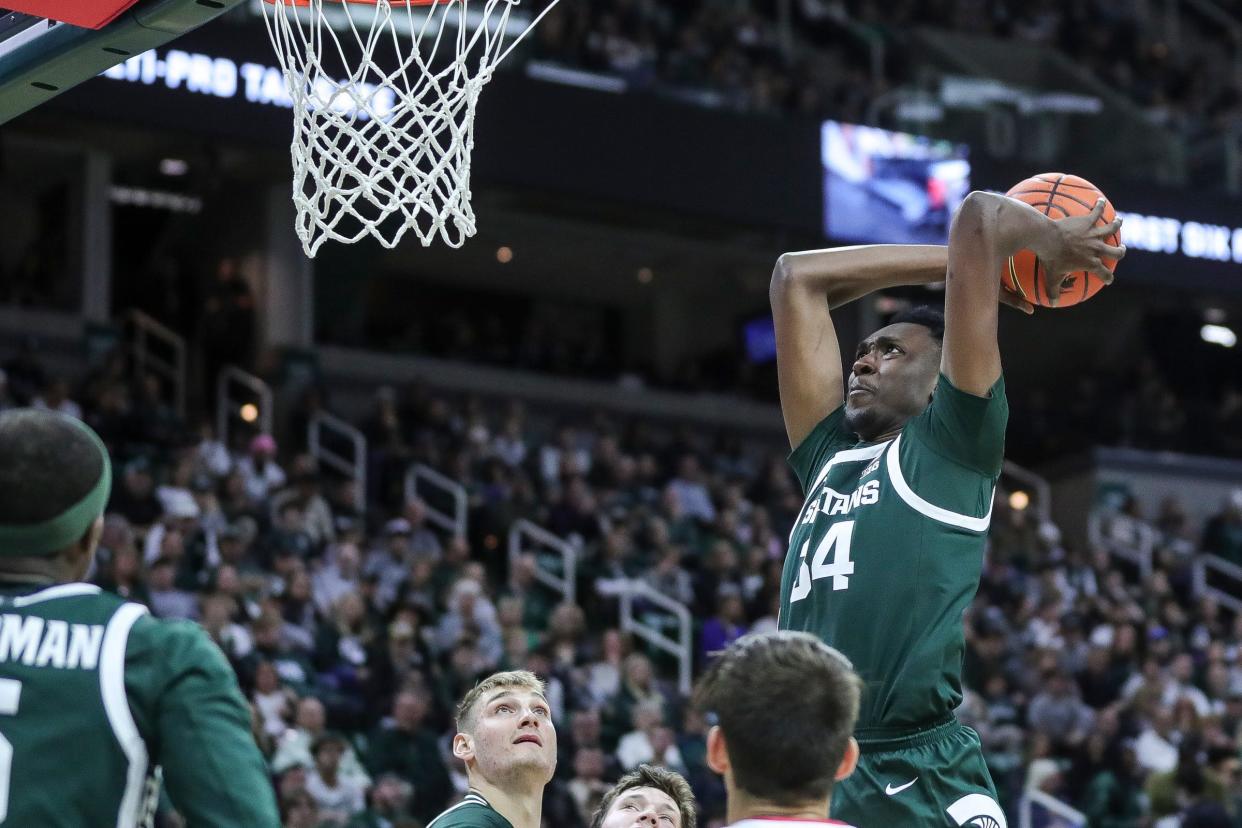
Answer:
(782, 707)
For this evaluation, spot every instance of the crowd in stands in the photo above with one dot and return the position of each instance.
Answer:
(1133, 407)
(352, 633)
(739, 54)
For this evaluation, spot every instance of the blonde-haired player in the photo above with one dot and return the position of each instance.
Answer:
(507, 741)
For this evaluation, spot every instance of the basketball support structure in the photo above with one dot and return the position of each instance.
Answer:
(40, 58)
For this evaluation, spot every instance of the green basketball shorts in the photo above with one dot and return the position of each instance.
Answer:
(930, 777)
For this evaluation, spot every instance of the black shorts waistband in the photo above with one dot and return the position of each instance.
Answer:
(885, 740)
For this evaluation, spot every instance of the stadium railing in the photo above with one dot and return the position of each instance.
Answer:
(1138, 553)
(1211, 564)
(1042, 810)
(159, 350)
(339, 432)
(428, 478)
(229, 407)
(680, 648)
(556, 558)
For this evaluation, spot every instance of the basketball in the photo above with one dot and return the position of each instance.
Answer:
(1057, 195)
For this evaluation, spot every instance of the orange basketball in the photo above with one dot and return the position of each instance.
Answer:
(1057, 195)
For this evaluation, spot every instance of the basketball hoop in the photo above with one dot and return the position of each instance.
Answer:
(383, 134)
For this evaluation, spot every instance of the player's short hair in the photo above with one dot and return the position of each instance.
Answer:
(521, 679)
(926, 316)
(47, 464)
(651, 776)
(786, 703)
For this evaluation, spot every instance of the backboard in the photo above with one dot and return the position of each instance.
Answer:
(40, 56)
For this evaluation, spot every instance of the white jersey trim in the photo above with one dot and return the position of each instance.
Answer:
(116, 705)
(468, 799)
(926, 509)
(847, 456)
(58, 591)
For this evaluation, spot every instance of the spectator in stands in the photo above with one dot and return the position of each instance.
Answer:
(691, 492)
(650, 740)
(422, 541)
(271, 644)
(304, 491)
(120, 570)
(726, 626)
(259, 470)
(274, 702)
(1058, 713)
(404, 745)
(55, 397)
(669, 578)
(1114, 796)
(1223, 534)
(389, 804)
(638, 685)
(339, 575)
(470, 614)
(565, 457)
(338, 798)
(588, 786)
(216, 611)
(1155, 749)
(388, 565)
(135, 498)
(167, 601)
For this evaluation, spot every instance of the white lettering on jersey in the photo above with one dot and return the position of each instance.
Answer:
(837, 540)
(829, 501)
(58, 644)
(19, 637)
(84, 644)
(52, 650)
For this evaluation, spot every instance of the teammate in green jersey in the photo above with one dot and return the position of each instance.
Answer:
(899, 476)
(96, 696)
(507, 741)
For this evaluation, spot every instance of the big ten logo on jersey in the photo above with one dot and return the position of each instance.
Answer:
(831, 502)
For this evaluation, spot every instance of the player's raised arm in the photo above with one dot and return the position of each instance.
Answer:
(200, 723)
(805, 286)
(987, 230)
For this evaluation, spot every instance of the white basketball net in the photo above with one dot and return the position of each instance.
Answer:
(382, 138)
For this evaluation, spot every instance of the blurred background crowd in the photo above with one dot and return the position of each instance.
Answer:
(353, 634)
(813, 57)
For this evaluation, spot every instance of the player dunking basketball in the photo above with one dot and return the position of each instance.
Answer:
(899, 473)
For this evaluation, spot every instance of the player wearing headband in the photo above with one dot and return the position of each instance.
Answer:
(97, 698)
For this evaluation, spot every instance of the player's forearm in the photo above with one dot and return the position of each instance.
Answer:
(843, 274)
(1006, 224)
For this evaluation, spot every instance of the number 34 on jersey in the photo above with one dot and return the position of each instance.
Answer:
(831, 558)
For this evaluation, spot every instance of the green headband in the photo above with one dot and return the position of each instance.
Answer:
(70, 525)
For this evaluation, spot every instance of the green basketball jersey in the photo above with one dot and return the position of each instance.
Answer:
(472, 812)
(96, 696)
(887, 551)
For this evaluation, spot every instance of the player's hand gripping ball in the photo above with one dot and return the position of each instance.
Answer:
(1061, 196)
